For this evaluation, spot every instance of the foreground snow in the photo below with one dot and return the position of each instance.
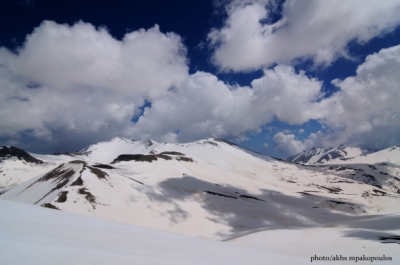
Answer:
(34, 235)
(355, 239)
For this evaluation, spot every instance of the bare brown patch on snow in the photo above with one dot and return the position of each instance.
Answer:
(62, 196)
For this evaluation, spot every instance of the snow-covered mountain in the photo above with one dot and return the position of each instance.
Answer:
(321, 155)
(208, 188)
(18, 166)
(7, 152)
(389, 155)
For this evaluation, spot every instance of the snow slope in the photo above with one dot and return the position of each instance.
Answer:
(33, 235)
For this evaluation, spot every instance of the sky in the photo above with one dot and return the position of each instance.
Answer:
(274, 76)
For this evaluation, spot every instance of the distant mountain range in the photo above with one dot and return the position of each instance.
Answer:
(321, 155)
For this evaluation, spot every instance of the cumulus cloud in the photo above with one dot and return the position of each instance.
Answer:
(364, 112)
(81, 80)
(144, 63)
(204, 106)
(72, 85)
(311, 29)
(289, 144)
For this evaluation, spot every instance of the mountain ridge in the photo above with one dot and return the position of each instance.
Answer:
(320, 155)
(11, 151)
(208, 188)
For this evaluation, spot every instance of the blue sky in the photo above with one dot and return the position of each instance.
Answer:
(274, 76)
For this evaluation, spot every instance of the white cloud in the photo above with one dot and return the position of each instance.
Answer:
(320, 30)
(144, 63)
(289, 144)
(78, 80)
(81, 80)
(365, 111)
(204, 106)
(77, 83)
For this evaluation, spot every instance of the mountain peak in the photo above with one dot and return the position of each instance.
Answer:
(321, 155)
(120, 138)
(148, 142)
(11, 151)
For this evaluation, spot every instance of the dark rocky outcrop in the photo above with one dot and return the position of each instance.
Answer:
(11, 151)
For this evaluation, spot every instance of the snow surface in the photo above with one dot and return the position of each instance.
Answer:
(105, 152)
(14, 172)
(360, 238)
(32, 235)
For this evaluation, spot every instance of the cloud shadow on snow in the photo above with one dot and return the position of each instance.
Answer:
(245, 212)
(373, 235)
